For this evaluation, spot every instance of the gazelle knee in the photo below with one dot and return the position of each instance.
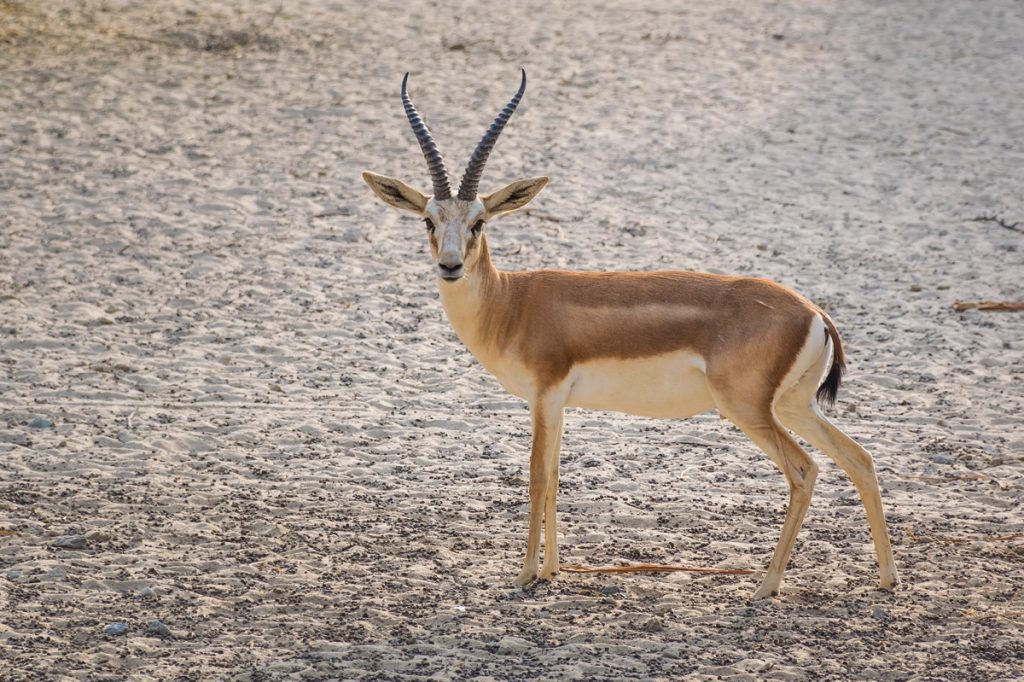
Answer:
(801, 477)
(809, 472)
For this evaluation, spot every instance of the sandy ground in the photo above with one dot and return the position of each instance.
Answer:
(230, 402)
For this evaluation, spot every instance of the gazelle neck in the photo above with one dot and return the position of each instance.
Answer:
(464, 301)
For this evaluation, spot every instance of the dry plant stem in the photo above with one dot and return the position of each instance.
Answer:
(651, 568)
(1001, 222)
(992, 306)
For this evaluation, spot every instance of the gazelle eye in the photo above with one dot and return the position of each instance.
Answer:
(430, 225)
(477, 227)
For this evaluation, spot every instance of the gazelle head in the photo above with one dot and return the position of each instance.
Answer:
(455, 225)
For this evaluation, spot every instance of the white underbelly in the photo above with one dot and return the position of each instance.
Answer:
(669, 385)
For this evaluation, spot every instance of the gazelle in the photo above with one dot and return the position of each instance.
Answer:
(656, 344)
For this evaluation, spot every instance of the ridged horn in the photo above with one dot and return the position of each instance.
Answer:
(475, 168)
(435, 164)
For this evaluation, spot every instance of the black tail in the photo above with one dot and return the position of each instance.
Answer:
(830, 387)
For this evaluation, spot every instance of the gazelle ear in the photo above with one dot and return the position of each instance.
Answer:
(513, 197)
(394, 192)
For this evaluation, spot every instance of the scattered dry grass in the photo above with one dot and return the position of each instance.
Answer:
(65, 30)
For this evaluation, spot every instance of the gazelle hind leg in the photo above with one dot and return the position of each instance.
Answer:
(799, 411)
(760, 425)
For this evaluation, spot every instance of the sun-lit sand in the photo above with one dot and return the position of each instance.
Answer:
(230, 401)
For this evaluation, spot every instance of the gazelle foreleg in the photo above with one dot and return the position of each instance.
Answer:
(546, 412)
(551, 563)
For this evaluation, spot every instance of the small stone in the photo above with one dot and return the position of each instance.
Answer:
(116, 629)
(943, 459)
(147, 592)
(653, 625)
(71, 542)
(157, 627)
(40, 423)
(353, 234)
(878, 613)
(509, 646)
(611, 589)
(97, 536)
(915, 287)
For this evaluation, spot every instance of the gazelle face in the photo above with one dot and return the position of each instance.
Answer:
(454, 230)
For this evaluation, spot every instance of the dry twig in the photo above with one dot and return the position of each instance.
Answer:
(1001, 222)
(994, 306)
(651, 568)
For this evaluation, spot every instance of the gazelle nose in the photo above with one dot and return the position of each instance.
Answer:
(449, 272)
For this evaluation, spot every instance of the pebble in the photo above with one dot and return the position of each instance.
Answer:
(97, 536)
(353, 234)
(878, 613)
(71, 542)
(513, 645)
(653, 625)
(116, 629)
(147, 592)
(158, 628)
(612, 589)
(40, 423)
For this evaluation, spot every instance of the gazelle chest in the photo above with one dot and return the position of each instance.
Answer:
(463, 312)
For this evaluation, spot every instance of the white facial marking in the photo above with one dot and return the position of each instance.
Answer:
(453, 221)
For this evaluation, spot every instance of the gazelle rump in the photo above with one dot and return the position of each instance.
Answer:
(656, 344)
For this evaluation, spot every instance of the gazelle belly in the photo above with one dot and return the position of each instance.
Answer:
(668, 385)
